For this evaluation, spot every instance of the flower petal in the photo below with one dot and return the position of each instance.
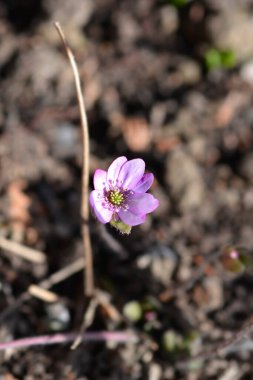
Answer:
(140, 204)
(131, 219)
(114, 168)
(97, 203)
(144, 184)
(99, 179)
(131, 173)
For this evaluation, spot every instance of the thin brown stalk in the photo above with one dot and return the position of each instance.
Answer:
(89, 280)
(88, 318)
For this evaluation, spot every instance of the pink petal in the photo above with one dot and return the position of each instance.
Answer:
(140, 204)
(144, 184)
(131, 173)
(131, 219)
(97, 203)
(114, 168)
(99, 179)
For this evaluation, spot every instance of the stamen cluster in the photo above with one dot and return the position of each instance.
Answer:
(115, 197)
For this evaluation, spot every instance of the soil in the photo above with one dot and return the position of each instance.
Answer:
(150, 92)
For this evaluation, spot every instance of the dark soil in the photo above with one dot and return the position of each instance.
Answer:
(150, 94)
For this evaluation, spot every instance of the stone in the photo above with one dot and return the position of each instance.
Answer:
(161, 261)
(184, 178)
(233, 29)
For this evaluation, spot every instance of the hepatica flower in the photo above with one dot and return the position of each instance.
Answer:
(120, 196)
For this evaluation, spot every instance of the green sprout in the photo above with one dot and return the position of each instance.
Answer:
(216, 59)
(179, 3)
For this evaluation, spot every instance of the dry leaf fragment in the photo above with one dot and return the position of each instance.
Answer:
(19, 204)
(137, 133)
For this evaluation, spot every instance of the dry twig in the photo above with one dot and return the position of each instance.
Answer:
(89, 280)
(222, 348)
(87, 321)
(42, 294)
(26, 253)
(52, 280)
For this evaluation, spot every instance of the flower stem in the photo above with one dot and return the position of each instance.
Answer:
(89, 278)
(45, 340)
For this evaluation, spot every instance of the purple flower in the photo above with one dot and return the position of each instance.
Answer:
(120, 193)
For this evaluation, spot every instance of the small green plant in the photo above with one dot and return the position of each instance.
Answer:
(216, 59)
(179, 3)
(176, 344)
(236, 259)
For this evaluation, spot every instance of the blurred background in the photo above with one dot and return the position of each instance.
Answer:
(169, 81)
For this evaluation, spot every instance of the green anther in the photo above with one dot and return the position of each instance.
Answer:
(115, 197)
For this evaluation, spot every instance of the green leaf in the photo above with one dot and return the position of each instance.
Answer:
(212, 59)
(228, 59)
(215, 59)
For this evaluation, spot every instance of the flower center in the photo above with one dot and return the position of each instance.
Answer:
(115, 197)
